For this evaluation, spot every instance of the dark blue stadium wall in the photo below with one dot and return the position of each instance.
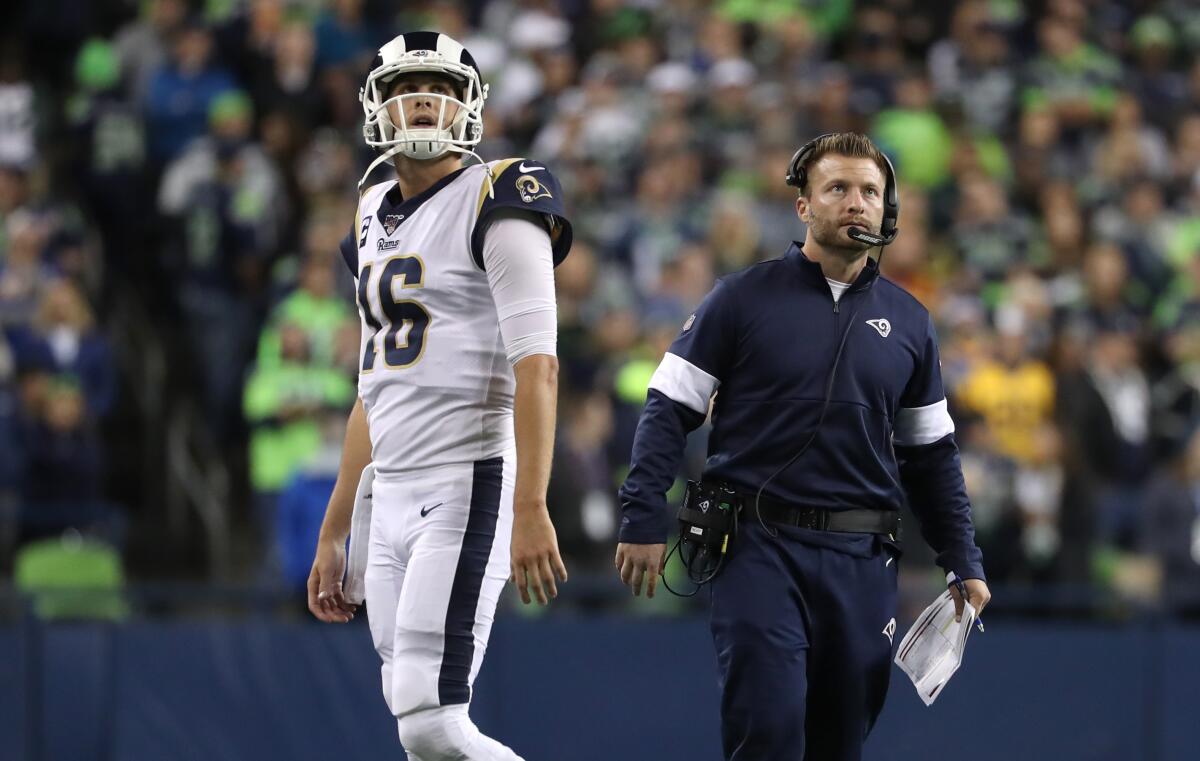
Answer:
(579, 689)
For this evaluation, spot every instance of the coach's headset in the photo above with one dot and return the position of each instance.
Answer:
(797, 175)
(708, 516)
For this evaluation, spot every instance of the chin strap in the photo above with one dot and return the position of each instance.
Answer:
(395, 149)
(487, 176)
(378, 160)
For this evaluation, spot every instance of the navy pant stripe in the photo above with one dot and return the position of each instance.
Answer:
(459, 647)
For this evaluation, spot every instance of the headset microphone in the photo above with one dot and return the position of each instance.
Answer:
(862, 236)
(871, 239)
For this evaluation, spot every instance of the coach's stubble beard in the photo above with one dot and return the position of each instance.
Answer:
(831, 238)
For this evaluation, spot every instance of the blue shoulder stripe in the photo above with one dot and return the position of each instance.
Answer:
(524, 184)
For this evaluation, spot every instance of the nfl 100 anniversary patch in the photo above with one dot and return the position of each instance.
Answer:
(391, 222)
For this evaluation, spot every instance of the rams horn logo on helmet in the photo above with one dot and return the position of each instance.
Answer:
(530, 189)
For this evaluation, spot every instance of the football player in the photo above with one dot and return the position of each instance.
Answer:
(456, 396)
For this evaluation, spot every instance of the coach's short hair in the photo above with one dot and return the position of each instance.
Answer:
(852, 144)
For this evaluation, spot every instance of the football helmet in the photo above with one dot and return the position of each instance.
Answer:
(459, 117)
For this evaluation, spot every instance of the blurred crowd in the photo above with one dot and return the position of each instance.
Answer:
(202, 158)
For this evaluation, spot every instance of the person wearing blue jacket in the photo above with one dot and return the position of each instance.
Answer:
(829, 414)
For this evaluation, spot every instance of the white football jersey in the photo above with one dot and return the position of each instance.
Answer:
(433, 377)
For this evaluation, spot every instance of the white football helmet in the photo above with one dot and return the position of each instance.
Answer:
(422, 52)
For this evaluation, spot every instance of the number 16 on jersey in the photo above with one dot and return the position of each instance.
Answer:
(399, 322)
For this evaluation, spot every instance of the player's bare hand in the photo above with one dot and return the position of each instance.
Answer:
(636, 562)
(536, 562)
(977, 593)
(325, 599)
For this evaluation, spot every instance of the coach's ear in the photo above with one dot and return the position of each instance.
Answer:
(802, 208)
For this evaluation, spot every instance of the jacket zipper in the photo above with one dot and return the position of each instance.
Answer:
(837, 322)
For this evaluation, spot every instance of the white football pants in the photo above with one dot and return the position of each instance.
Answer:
(437, 562)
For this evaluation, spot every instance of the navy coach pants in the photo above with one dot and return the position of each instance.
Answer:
(803, 626)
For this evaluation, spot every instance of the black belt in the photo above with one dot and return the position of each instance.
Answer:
(857, 521)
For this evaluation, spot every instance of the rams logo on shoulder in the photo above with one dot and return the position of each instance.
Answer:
(530, 189)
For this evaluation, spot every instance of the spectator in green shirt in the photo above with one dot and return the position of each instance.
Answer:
(1078, 80)
(315, 308)
(283, 403)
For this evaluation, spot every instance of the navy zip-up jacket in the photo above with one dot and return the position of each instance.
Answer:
(766, 338)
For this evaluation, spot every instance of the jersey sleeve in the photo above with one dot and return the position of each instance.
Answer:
(517, 255)
(529, 185)
(349, 249)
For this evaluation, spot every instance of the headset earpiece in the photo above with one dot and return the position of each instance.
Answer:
(888, 230)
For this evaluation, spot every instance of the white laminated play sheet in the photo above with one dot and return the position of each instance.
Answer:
(932, 650)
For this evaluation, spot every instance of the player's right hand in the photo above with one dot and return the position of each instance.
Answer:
(325, 599)
(636, 562)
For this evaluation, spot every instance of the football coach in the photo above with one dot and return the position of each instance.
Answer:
(829, 413)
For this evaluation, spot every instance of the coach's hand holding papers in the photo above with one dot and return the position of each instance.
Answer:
(933, 648)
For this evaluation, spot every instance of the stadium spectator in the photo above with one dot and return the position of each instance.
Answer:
(18, 112)
(13, 463)
(314, 307)
(285, 82)
(63, 342)
(143, 44)
(581, 482)
(59, 438)
(223, 202)
(344, 36)
(284, 402)
(181, 90)
(23, 271)
(109, 149)
(972, 66)
(1171, 525)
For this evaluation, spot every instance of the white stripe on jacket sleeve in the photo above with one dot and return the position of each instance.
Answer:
(683, 382)
(916, 426)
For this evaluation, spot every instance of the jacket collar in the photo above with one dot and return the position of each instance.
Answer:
(813, 273)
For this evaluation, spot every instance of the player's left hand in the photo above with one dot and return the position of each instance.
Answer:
(536, 562)
(977, 593)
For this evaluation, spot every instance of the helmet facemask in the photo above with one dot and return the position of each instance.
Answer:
(458, 121)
